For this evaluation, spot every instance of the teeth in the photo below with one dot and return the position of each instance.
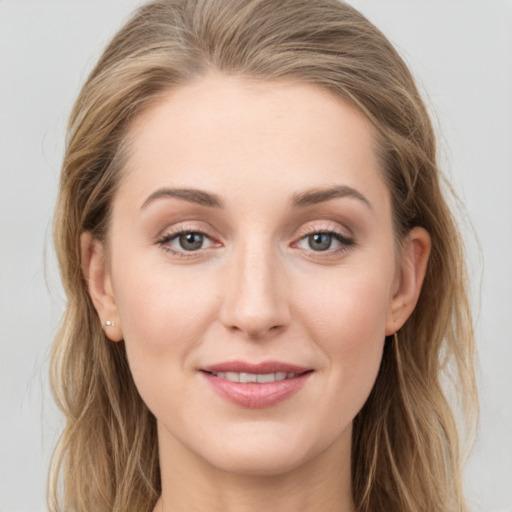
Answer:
(266, 377)
(246, 378)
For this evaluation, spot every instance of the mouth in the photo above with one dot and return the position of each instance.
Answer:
(256, 386)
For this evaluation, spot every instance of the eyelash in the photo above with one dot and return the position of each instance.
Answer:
(346, 243)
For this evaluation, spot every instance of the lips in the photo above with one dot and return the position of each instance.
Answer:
(256, 386)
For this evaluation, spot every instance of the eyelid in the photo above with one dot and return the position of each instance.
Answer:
(323, 226)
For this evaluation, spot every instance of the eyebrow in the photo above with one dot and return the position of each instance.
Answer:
(316, 196)
(299, 200)
(187, 194)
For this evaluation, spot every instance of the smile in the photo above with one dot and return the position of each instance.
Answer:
(256, 386)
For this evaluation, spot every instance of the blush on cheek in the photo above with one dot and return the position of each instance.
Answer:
(348, 318)
(156, 307)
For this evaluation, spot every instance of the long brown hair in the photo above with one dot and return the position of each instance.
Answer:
(406, 451)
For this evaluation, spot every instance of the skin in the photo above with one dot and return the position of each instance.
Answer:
(256, 290)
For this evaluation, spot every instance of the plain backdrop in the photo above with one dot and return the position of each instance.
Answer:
(461, 53)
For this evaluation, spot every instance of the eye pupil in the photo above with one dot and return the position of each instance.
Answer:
(191, 241)
(320, 241)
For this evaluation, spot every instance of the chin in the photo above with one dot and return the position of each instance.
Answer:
(271, 453)
(258, 461)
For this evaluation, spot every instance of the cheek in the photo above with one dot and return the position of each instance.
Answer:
(349, 313)
(160, 310)
(347, 321)
(163, 317)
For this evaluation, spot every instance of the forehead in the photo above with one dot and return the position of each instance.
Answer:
(229, 134)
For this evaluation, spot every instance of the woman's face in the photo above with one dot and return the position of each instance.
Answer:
(251, 240)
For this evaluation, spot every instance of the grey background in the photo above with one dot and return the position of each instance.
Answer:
(461, 52)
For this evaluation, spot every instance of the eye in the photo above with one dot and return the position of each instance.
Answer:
(185, 241)
(322, 241)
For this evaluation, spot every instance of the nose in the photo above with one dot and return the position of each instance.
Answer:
(255, 302)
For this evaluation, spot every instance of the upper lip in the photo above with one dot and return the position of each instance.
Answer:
(255, 368)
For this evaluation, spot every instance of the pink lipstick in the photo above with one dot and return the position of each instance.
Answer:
(256, 386)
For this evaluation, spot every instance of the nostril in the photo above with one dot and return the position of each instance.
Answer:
(256, 329)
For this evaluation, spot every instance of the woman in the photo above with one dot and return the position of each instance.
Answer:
(266, 289)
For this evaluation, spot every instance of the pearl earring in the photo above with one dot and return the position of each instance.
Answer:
(109, 323)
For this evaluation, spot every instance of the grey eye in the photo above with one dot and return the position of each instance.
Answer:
(191, 241)
(320, 241)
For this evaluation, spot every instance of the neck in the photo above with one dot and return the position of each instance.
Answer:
(192, 484)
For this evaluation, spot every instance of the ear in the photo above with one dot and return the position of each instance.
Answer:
(410, 275)
(99, 283)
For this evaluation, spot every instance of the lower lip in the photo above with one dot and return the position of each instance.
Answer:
(255, 395)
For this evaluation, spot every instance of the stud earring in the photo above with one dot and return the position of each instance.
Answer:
(109, 323)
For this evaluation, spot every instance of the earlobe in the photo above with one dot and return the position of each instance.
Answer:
(413, 267)
(99, 283)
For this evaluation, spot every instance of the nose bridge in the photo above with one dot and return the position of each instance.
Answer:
(255, 302)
